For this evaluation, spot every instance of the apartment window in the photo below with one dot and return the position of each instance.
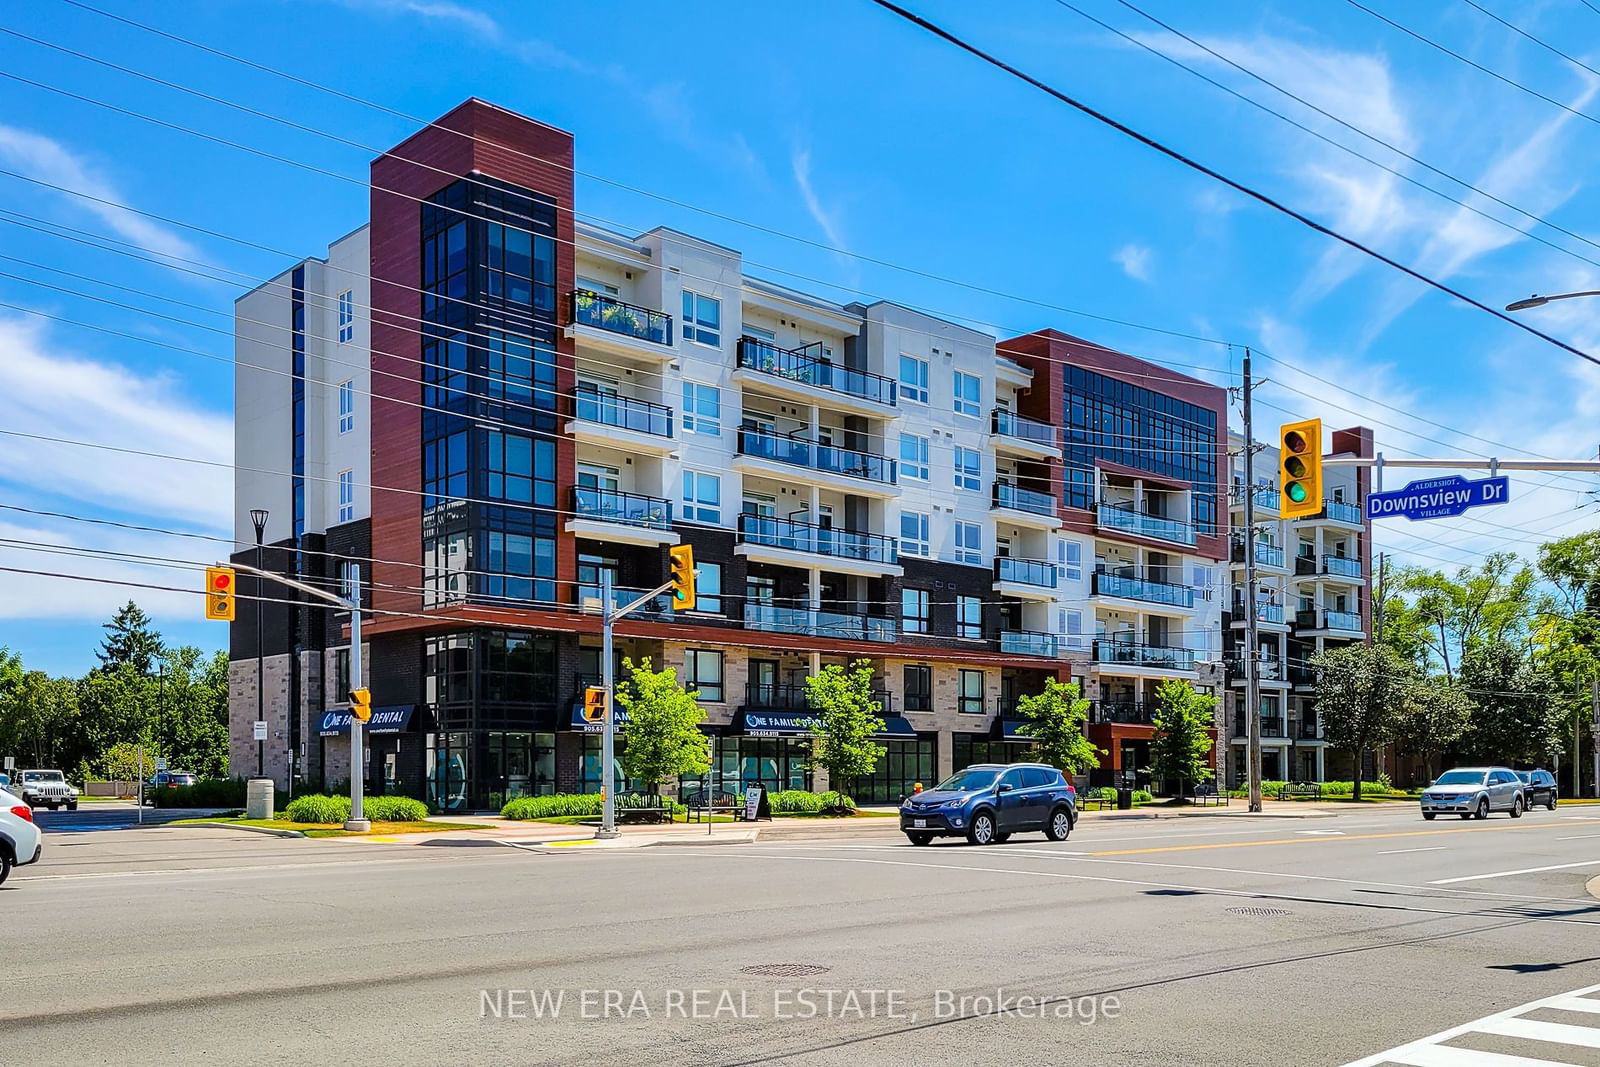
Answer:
(521, 469)
(971, 693)
(913, 457)
(708, 588)
(347, 316)
(702, 670)
(702, 497)
(347, 496)
(1070, 623)
(969, 616)
(347, 406)
(968, 394)
(760, 333)
(969, 543)
(1069, 560)
(969, 468)
(914, 379)
(594, 285)
(341, 673)
(1203, 579)
(913, 533)
(914, 611)
(702, 319)
(702, 409)
(919, 688)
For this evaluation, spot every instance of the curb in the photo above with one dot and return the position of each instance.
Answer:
(268, 831)
(1593, 886)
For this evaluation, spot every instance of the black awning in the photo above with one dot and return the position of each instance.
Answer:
(897, 728)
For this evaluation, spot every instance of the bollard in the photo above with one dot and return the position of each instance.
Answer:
(258, 798)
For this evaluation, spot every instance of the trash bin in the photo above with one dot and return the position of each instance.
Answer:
(1124, 799)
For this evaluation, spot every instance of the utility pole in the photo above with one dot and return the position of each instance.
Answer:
(352, 589)
(608, 746)
(1252, 680)
(1377, 608)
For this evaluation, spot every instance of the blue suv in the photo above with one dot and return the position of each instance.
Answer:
(988, 802)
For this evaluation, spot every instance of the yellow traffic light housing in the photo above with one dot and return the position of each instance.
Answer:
(594, 703)
(361, 704)
(681, 574)
(1300, 468)
(221, 586)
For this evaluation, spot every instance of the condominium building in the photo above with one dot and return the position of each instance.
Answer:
(490, 406)
(1312, 593)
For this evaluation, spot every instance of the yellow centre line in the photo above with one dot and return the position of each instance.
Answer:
(1323, 839)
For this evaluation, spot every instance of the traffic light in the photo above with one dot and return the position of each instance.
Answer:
(1300, 468)
(221, 585)
(681, 563)
(361, 704)
(594, 703)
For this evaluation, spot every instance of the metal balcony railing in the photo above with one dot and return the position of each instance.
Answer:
(1015, 497)
(1035, 572)
(1126, 520)
(1132, 712)
(798, 536)
(623, 412)
(775, 619)
(1028, 643)
(1341, 566)
(630, 320)
(1176, 659)
(801, 452)
(1009, 424)
(1109, 583)
(630, 509)
(786, 697)
(805, 365)
(1266, 555)
(1307, 731)
(658, 608)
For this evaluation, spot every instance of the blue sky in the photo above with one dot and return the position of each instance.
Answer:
(838, 123)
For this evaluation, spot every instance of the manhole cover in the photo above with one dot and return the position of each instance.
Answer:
(1258, 913)
(786, 970)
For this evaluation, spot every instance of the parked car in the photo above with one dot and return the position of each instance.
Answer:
(20, 840)
(166, 780)
(1473, 792)
(1538, 787)
(46, 789)
(988, 802)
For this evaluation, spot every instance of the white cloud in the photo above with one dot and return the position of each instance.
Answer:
(51, 161)
(43, 596)
(1134, 261)
(827, 219)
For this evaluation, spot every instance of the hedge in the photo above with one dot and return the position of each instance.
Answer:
(561, 805)
(314, 807)
(804, 802)
(205, 793)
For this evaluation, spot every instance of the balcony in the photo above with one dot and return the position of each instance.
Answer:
(1342, 511)
(1271, 726)
(617, 421)
(803, 373)
(1342, 567)
(1028, 643)
(619, 327)
(1023, 436)
(1026, 507)
(1302, 676)
(1033, 572)
(1342, 622)
(1161, 657)
(1307, 731)
(776, 697)
(612, 515)
(1266, 496)
(775, 619)
(1125, 712)
(1271, 614)
(1158, 528)
(1128, 587)
(1266, 555)
(659, 608)
(774, 540)
(867, 471)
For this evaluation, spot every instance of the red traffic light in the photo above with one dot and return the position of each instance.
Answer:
(1295, 441)
(222, 581)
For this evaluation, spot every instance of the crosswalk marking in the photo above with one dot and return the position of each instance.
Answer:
(1548, 1044)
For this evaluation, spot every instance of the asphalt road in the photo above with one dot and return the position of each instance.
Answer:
(1203, 941)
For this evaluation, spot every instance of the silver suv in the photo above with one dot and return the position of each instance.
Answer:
(46, 789)
(1473, 792)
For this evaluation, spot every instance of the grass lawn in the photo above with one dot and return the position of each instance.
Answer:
(318, 829)
(680, 819)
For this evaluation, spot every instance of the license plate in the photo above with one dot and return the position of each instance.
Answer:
(919, 822)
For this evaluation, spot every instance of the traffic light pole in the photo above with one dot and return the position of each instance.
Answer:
(357, 822)
(608, 678)
(1252, 681)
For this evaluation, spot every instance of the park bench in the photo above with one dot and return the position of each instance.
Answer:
(642, 807)
(704, 804)
(1208, 795)
(1301, 791)
(1098, 799)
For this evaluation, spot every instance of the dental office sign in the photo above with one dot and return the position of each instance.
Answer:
(1438, 498)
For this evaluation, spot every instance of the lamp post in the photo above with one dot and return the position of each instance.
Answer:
(259, 517)
(1537, 301)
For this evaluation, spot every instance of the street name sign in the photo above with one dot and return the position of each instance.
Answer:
(1438, 498)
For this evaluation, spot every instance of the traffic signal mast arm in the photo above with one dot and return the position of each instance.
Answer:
(309, 590)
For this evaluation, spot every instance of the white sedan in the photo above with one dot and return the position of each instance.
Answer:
(20, 839)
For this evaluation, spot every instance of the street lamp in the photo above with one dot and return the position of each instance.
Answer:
(1537, 301)
(259, 517)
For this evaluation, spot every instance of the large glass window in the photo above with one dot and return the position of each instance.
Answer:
(521, 469)
(913, 533)
(702, 319)
(918, 687)
(703, 672)
(968, 393)
(913, 379)
(969, 542)
(971, 693)
(702, 497)
(902, 767)
(969, 616)
(968, 749)
(702, 409)
(913, 457)
(347, 316)
(914, 611)
(708, 588)
(968, 468)
(519, 267)
(444, 470)
(347, 496)
(347, 406)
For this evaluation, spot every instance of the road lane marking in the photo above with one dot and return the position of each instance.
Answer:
(1561, 1033)
(1504, 827)
(1508, 874)
(1432, 1051)
(240, 869)
(1403, 851)
(1322, 833)
(1584, 837)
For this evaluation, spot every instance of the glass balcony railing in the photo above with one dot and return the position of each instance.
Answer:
(820, 540)
(1341, 566)
(658, 608)
(623, 412)
(1015, 497)
(1266, 496)
(1160, 528)
(1028, 643)
(630, 509)
(1341, 511)
(1328, 619)
(1109, 583)
(1266, 555)
(829, 459)
(1035, 572)
(1176, 659)
(1009, 424)
(805, 365)
(614, 316)
(1264, 612)
(786, 697)
(775, 619)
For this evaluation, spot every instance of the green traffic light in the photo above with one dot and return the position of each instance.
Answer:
(1295, 492)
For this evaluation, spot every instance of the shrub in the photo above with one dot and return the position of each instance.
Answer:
(562, 805)
(206, 793)
(314, 807)
(1142, 796)
(804, 802)
(394, 809)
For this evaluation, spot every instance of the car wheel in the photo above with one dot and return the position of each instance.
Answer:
(981, 831)
(1060, 825)
(5, 866)
(72, 805)
(1552, 800)
(1516, 807)
(1483, 809)
(1429, 815)
(919, 839)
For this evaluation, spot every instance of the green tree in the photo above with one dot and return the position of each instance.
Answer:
(1432, 721)
(848, 717)
(1055, 720)
(1362, 690)
(45, 711)
(662, 729)
(130, 641)
(126, 763)
(1179, 747)
(1516, 716)
(1491, 603)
